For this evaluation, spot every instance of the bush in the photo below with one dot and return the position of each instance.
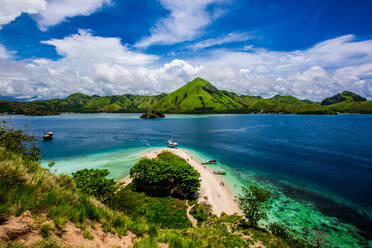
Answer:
(201, 212)
(94, 182)
(167, 212)
(253, 202)
(87, 235)
(45, 231)
(166, 175)
(19, 142)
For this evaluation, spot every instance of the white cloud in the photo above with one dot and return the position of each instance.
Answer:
(57, 11)
(232, 37)
(186, 20)
(4, 54)
(103, 66)
(48, 12)
(11, 9)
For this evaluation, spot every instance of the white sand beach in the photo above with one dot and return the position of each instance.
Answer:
(213, 189)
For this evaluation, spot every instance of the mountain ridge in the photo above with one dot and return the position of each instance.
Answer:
(197, 96)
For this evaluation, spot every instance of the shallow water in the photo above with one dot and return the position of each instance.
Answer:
(318, 167)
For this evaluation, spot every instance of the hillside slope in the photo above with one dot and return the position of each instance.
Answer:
(198, 96)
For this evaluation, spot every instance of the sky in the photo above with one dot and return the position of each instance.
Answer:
(310, 49)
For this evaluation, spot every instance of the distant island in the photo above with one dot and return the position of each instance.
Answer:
(196, 97)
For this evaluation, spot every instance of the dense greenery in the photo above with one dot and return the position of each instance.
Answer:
(197, 96)
(152, 114)
(166, 212)
(254, 203)
(201, 212)
(166, 175)
(19, 141)
(54, 200)
(94, 182)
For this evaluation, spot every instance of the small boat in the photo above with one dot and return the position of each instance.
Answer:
(219, 172)
(172, 144)
(48, 136)
(213, 161)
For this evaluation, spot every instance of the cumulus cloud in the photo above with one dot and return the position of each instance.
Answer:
(11, 9)
(103, 66)
(187, 18)
(48, 13)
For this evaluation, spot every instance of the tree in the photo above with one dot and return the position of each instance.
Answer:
(94, 182)
(254, 203)
(166, 175)
(19, 141)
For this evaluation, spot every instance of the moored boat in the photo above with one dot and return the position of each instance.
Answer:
(48, 136)
(172, 144)
(219, 172)
(213, 161)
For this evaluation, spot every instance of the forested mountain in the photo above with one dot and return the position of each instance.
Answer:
(197, 96)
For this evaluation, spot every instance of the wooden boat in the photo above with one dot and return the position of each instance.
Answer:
(219, 172)
(48, 136)
(172, 144)
(211, 162)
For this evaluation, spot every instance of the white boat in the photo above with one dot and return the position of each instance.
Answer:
(172, 144)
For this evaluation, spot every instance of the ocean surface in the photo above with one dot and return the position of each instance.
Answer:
(319, 168)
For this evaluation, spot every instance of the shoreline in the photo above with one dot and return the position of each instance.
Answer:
(214, 189)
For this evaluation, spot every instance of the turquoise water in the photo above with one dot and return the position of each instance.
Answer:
(318, 167)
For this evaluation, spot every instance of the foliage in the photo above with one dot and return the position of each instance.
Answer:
(152, 114)
(201, 212)
(166, 175)
(253, 203)
(197, 96)
(45, 230)
(167, 212)
(19, 141)
(94, 182)
(87, 235)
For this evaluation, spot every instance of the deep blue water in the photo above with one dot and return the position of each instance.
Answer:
(329, 154)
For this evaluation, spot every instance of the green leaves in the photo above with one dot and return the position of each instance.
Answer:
(94, 182)
(253, 202)
(166, 175)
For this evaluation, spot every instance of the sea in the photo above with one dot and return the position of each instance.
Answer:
(318, 168)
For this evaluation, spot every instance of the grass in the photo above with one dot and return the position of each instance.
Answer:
(25, 186)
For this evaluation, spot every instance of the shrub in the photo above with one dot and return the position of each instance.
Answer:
(166, 175)
(19, 142)
(94, 182)
(253, 202)
(45, 230)
(87, 235)
(201, 212)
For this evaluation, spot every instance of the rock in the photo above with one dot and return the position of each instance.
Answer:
(152, 115)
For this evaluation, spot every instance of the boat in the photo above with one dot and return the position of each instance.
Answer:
(172, 144)
(213, 161)
(48, 136)
(219, 172)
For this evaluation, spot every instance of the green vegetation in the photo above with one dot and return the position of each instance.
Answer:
(19, 142)
(197, 96)
(166, 212)
(201, 212)
(166, 175)
(253, 203)
(152, 114)
(59, 200)
(94, 182)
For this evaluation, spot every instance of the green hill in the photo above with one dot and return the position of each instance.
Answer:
(197, 96)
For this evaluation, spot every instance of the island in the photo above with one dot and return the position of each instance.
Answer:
(196, 97)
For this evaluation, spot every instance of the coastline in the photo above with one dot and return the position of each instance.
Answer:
(214, 189)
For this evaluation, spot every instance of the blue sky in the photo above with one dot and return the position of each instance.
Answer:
(309, 49)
